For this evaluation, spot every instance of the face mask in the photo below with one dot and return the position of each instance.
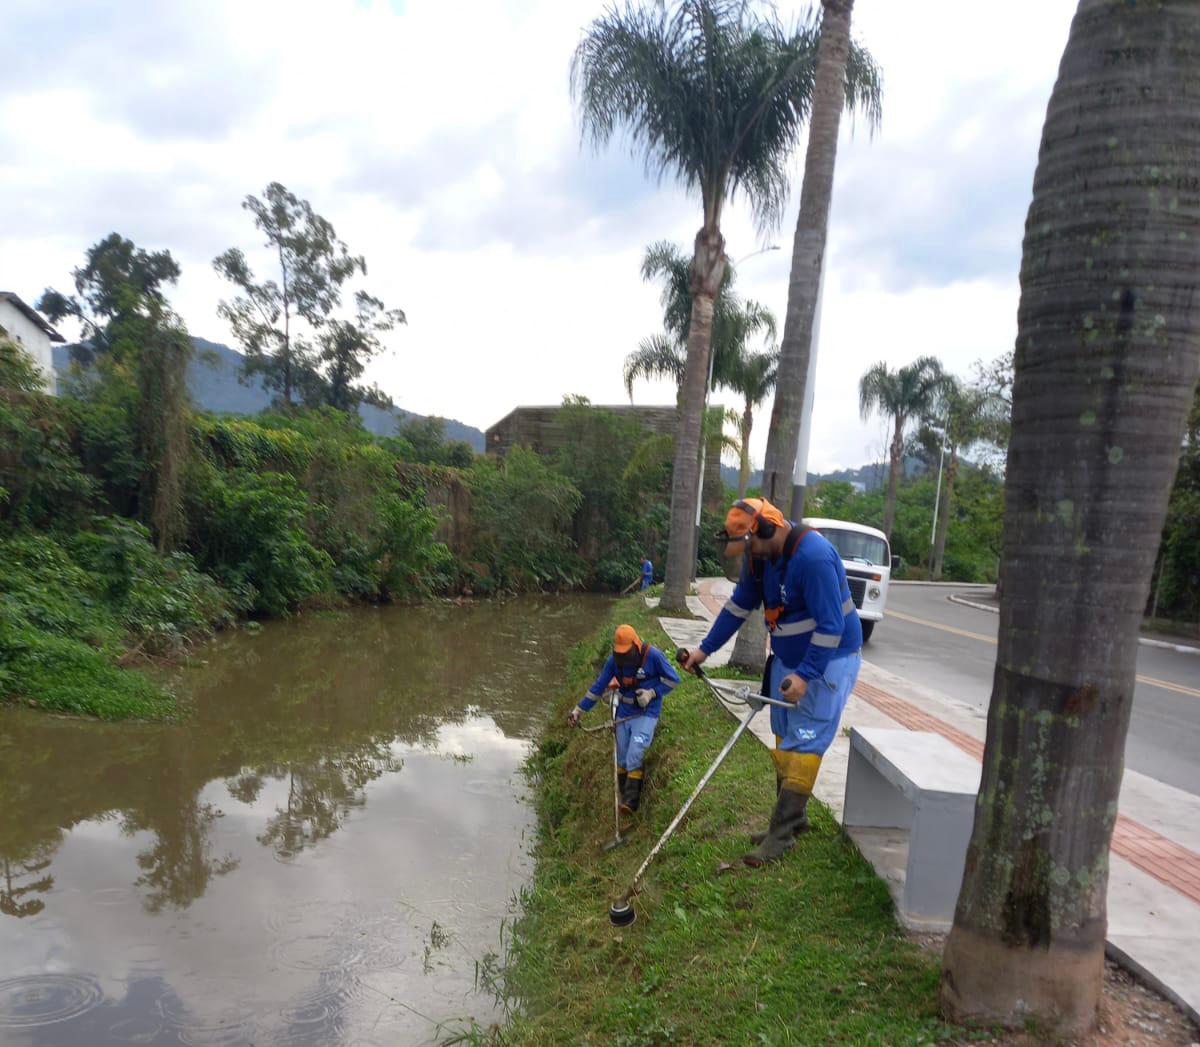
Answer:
(734, 564)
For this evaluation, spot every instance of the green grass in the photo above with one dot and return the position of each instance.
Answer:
(803, 952)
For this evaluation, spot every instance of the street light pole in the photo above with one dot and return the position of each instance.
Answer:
(937, 498)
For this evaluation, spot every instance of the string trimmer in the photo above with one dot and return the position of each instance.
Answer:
(621, 913)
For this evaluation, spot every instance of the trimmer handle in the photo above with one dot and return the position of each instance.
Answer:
(681, 654)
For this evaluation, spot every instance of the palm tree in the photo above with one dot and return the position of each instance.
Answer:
(968, 416)
(902, 395)
(754, 378)
(845, 76)
(1106, 359)
(710, 95)
(735, 322)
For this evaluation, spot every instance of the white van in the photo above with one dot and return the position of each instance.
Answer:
(868, 562)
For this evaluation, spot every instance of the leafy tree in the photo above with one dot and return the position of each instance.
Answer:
(346, 346)
(968, 416)
(427, 444)
(714, 97)
(845, 77)
(133, 337)
(312, 266)
(902, 395)
(1177, 592)
(119, 294)
(41, 481)
(1105, 366)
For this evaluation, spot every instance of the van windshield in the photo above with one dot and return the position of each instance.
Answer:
(854, 545)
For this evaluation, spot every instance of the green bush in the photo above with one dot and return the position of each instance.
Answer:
(71, 607)
(248, 531)
(41, 481)
(521, 509)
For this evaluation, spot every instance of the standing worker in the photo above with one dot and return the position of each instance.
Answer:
(647, 572)
(643, 676)
(816, 637)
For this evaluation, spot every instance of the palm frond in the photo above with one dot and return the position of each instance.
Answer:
(658, 356)
(712, 93)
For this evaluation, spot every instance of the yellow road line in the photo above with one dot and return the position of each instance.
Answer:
(1168, 685)
(944, 628)
(1150, 681)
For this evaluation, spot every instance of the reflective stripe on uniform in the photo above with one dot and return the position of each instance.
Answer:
(826, 639)
(805, 625)
(847, 605)
(735, 610)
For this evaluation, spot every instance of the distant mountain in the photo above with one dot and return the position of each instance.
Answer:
(871, 477)
(214, 384)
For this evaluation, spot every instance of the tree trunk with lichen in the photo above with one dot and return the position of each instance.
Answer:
(708, 267)
(1107, 354)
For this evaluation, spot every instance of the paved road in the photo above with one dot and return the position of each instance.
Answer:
(945, 646)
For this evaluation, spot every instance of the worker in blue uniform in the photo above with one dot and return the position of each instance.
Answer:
(647, 572)
(797, 576)
(643, 675)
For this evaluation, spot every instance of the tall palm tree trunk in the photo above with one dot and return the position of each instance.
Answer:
(938, 562)
(1106, 358)
(708, 266)
(895, 464)
(808, 251)
(744, 464)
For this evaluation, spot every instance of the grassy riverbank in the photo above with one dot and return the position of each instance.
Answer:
(803, 952)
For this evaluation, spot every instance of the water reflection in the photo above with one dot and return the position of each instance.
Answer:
(332, 836)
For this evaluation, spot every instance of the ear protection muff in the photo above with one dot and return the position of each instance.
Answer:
(759, 526)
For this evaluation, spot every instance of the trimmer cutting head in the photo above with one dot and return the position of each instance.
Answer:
(621, 914)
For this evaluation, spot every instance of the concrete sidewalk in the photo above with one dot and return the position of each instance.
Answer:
(1154, 876)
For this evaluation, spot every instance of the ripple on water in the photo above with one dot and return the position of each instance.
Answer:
(136, 1030)
(321, 953)
(227, 1026)
(314, 916)
(42, 999)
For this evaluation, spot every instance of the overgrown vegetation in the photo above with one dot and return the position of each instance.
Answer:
(803, 952)
(166, 524)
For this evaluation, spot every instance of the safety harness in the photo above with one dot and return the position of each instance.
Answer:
(795, 537)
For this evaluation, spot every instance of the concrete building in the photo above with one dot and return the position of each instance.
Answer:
(31, 331)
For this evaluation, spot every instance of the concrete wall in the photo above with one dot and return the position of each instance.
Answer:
(541, 430)
(30, 338)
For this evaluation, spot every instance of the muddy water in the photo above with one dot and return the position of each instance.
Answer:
(323, 853)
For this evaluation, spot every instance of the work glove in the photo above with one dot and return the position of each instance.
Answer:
(574, 716)
(644, 696)
(792, 687)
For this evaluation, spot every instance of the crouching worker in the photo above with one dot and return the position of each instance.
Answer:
(642, 675)
(798, 578)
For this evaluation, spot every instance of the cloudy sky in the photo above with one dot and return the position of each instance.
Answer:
(440, 140)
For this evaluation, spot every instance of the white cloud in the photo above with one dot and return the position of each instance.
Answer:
(443, 147)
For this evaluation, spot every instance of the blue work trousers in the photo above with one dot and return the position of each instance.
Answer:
(812, 725)
(633, 738)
